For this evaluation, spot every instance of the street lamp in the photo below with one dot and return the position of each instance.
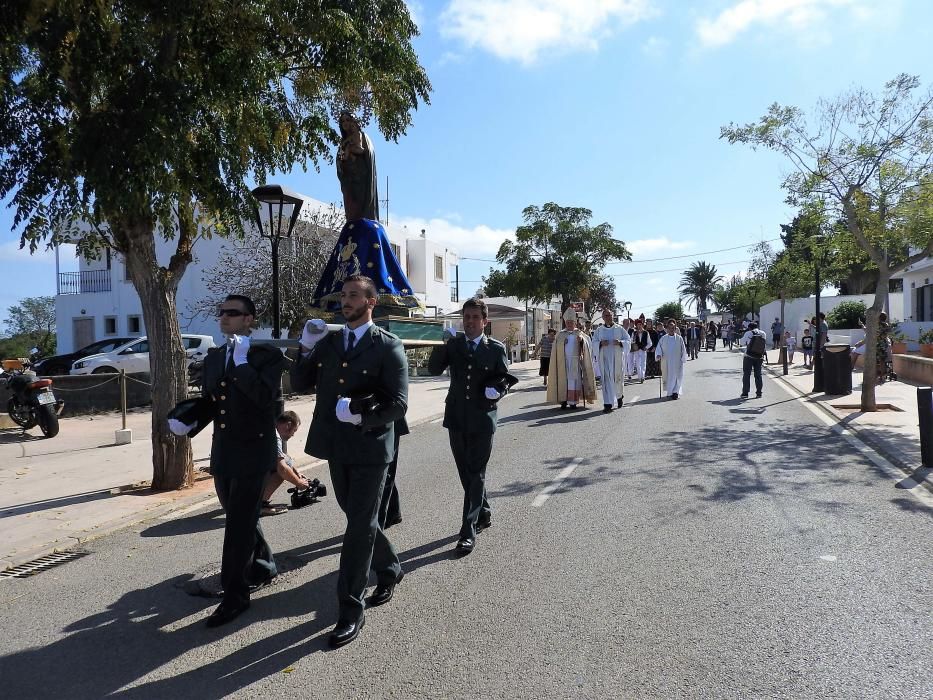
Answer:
(281, 204)
(628, 309)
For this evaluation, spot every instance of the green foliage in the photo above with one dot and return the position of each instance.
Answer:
(31, 323)
(556, 253)
(18, 346)
(698, 284)
(670, 309)
(926, 337)
(848, 314)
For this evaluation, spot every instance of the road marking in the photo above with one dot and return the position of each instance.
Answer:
(190, 509)
(546, 492)
(828, 557)
(909, 485)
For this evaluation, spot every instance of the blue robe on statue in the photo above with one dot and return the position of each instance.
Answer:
(363, 248)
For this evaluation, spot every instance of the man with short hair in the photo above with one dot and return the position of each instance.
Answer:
(285, 427)
(672, 358)
(611, 348)
(361, 378)
(777, 330)
(544, 352)
(754, 343)
(477, 364)
(641, 344)
(244, 383)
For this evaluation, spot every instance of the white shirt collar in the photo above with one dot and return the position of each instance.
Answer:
(476, 341)
(358, 332)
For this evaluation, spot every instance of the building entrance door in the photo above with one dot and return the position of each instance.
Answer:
(82, 331)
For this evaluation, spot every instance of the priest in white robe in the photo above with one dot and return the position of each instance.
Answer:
(570, 377)
(672, 359)
(611, 347)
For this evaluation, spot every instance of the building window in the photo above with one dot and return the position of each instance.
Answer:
(110, 325)
(134, 324)
(438, 268)
(924, 297)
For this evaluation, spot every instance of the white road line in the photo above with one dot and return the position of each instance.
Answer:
(545, 494)
(907, 484)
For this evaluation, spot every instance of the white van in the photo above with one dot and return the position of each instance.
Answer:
(134, 356)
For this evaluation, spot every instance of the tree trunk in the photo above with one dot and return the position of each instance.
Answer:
(869, 370)
(172, 466)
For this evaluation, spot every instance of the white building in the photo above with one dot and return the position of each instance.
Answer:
(918, 299)
(99, 301)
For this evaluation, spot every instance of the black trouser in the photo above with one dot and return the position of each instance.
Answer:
(471, 453)
(358, 490)
(247, 557)
(390, 508)
(749, 364)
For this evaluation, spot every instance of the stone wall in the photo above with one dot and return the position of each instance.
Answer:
(914, 368)
(94, 393)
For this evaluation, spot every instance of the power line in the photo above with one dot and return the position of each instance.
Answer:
(643, 272)
(672, 257)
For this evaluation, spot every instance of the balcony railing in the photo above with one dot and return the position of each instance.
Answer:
(84, 282)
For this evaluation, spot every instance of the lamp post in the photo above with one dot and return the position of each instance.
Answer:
(628, 309)
(275, 205)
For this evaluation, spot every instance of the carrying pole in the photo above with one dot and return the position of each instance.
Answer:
(123, 395)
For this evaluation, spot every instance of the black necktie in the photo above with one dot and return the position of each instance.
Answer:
(351, 339)
(471, 347)
(229, 367)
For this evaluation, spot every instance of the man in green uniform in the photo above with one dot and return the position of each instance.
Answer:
(357, 442)
(476, 363)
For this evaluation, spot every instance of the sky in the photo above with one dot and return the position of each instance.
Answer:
(611, 105)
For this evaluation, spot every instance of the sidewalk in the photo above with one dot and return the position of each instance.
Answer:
(58, 493)
(895, 434)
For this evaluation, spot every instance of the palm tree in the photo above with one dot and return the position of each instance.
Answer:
(698, 284)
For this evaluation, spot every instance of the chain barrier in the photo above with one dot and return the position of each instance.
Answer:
(138, 381)
(58, 388)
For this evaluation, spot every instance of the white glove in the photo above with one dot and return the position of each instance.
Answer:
(344, 415)
(492, 394)
(178, 428)
(314, 330)
(240, 349)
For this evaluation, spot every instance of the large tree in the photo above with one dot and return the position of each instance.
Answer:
(557, 253)
(698, 283)
(132, 121)
(870, 160)
(32, 321)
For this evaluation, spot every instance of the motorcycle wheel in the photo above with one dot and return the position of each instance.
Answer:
(48, 420)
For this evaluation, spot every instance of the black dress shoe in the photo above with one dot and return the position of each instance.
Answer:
(607, 408)
(483, 523)
(226, 612)
(383, 594)
(345, 632)
(619, 402)
(466, 545)
(563, 405)
(675, 395)
(392, 521)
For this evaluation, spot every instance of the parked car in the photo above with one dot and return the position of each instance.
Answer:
(134, 356)
(61, 364)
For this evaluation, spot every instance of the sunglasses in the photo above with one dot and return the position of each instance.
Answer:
(233, 313)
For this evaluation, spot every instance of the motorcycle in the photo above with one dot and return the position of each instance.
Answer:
(32, 401)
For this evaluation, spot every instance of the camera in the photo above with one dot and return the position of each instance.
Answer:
(305, 497)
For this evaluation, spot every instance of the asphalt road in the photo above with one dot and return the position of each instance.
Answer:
(706, 547)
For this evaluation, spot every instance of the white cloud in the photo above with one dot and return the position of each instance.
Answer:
(802, 16)
(521, 30)
(477, 241)
(11, 252)
(648, 246)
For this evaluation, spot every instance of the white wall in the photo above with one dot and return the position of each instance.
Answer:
(796, 310)
(420, 253)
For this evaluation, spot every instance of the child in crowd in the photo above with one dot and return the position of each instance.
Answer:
(790, 342)
(806, 345)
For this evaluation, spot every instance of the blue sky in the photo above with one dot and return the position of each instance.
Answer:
(613, 105)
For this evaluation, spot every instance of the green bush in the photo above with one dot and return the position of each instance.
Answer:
(926, 337)
(849, 314)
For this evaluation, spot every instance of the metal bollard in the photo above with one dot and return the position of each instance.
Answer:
(925, 409)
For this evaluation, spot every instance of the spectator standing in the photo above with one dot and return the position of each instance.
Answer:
(544, 352)
(755, 342)
(806, 346)
(777, 330)
(790, 342)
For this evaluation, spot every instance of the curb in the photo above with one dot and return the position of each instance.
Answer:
(862, 434)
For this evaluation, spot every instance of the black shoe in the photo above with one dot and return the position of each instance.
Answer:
(607, 408)
(392, 521)
(675, 396)
(758, 395)
(484, 523)
(345, 632)
(383, 594)
(619, 402)
(226, 612)
(563, 405)
(466, 545)
(743, 396)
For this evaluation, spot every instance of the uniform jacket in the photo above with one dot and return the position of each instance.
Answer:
(245, 402)
(468, 410)
(376, 364)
